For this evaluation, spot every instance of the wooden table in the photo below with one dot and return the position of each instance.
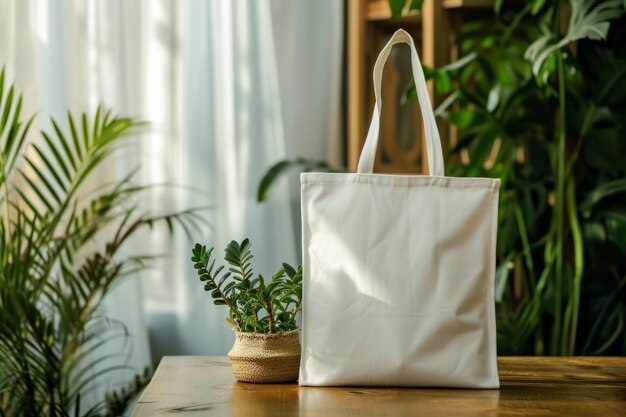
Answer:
(531, 386)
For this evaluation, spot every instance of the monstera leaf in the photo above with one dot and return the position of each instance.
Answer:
(589, 20)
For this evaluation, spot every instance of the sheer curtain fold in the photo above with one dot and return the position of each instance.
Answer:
(229, 87)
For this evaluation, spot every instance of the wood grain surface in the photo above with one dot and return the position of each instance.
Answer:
(530, 386)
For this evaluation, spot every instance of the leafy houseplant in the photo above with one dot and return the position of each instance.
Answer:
(539, 100)
(543, 106)
(59, 257)
(263, 314)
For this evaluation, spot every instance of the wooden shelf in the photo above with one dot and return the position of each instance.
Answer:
(435, 29)
(379, 10)
(455, 4)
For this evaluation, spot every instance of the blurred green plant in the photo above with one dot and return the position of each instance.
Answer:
(397, 7)
(543, 107)
(539, 100)
(253, 305)
(59, 258)
(117, 401)
(283, 167)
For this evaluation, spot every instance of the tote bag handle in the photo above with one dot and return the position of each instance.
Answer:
(433, 142)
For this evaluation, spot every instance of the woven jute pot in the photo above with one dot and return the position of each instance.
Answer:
(266, 358)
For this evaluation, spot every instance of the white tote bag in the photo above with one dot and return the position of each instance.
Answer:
(399, 270)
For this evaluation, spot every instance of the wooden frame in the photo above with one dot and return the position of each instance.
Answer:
(435, 31)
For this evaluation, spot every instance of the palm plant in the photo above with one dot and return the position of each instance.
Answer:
(54, 273)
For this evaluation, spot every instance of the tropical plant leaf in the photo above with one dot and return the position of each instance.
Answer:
(416, 5)
(396, 7)
(281, 168)
(590, 19)
(603, 191)
(51, 329)
(537, 5)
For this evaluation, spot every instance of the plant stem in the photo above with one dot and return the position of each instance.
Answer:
(270, 315)
(256, 318)
(559, 209)
(295, 312)
(5, 190)
(255, 313)
(600, 317)
(222, 295)
(521, 226)
(515, 23)
(579, 260)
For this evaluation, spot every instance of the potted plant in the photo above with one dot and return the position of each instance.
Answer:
(262, 313)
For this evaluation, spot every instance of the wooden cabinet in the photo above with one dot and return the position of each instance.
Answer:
(436, 30)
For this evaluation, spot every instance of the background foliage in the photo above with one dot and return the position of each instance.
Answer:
(59, 257)
(538, 98)
(542, 106)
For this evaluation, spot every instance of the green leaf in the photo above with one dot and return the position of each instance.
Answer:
(8, 103)
(459, 63)
(464, 119)
(588, 20)
(65, 145)
(502, 276)
(281, 168)
(289, 270)
(416, 5)
(57, 156)
(481, 149)
(223, 279)
(396, 7)
(537, 5)
(616, 228)
(74, 134)
(251, 322)
(497, 6)
(442, 76)
(51, 169)
(601, 192)
(2, 84)
(232, 324)
(494, 98)
(229, 286)
(42, 177)
(443, 83)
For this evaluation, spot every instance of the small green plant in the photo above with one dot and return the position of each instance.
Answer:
(254, 305)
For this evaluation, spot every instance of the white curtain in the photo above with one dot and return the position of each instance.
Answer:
(229, 87)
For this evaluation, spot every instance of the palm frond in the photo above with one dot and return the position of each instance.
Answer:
(52, 280)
